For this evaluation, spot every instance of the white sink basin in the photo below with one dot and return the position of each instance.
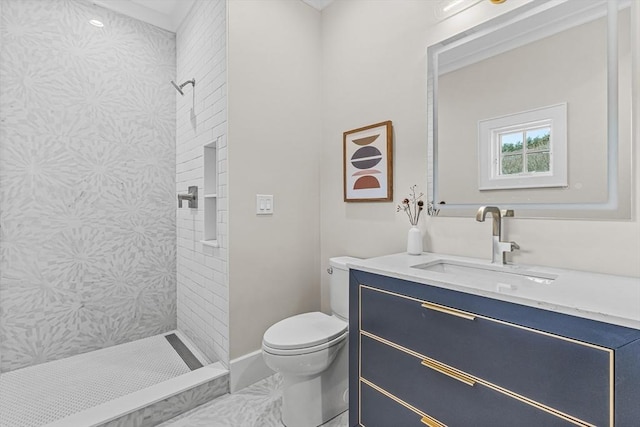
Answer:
(501, 278)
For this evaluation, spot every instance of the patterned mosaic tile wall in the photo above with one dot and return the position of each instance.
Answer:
(87, 180)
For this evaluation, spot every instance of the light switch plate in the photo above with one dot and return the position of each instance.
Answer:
(264, 204)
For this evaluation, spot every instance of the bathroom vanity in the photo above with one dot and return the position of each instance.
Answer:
(451, 341)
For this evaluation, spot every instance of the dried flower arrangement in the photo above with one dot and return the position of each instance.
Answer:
(413, 205)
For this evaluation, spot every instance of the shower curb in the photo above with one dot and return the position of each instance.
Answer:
(155, 404)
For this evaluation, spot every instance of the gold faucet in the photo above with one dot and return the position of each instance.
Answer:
(500, 248)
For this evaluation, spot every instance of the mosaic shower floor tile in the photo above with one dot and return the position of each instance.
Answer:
(44, 393)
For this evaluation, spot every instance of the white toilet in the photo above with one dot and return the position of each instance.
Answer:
(310, 351)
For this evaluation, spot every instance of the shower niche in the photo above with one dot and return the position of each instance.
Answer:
(210, 194)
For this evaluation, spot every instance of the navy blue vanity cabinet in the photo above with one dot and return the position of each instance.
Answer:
(468, 401)
(379, 409)
(461, 360)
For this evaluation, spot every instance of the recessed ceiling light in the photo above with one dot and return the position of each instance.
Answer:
(96, 23)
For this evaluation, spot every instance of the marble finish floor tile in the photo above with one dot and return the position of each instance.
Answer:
(258, 405)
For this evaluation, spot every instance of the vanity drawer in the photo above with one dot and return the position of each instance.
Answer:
(378, 409)
(443, 394)
(574, 378)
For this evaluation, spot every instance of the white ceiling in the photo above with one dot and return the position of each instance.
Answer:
(318, 4)
(163, 6)
(166, 14)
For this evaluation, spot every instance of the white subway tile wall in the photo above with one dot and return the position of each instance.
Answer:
(202, 289)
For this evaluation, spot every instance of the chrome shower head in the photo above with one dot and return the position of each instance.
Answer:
(192, 82)
(177, 87)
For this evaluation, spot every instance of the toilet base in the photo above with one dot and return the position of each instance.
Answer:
(310, 401)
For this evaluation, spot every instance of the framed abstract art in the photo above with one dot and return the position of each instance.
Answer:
(368, 163)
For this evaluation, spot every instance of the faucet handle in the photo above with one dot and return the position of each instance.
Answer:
(506, 213)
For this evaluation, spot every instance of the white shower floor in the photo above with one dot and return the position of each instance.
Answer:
(41, 394)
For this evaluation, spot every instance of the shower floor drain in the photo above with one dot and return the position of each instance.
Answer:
(41, 394)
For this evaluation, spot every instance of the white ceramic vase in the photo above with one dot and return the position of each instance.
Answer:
(414, 241)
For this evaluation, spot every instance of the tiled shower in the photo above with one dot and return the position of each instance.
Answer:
(87, 181)
(94, 145)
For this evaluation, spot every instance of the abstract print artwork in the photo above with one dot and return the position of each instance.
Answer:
(367, 163)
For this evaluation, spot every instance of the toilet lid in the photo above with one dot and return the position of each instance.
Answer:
(304, 330)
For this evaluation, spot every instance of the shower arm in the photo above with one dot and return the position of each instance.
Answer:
(192, 82)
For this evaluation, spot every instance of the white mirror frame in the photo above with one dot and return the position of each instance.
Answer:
(619, 205)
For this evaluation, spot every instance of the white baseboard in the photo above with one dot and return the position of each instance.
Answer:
(247, 370)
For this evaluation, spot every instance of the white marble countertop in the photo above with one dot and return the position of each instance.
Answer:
(603, 297)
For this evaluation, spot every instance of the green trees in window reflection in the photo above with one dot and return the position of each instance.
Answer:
(537, 143)
(538, 158)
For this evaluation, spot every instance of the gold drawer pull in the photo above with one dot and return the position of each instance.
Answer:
(449, 372)
(431, 422)
(447, 310)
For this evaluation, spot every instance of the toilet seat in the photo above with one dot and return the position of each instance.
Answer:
(304, 333)
(307, 350)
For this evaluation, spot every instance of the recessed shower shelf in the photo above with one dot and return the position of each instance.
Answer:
(210, 237)
(210, 243)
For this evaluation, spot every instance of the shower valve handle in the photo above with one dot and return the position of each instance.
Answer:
(191, 197)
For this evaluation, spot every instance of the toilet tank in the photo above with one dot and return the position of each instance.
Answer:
(339, 285)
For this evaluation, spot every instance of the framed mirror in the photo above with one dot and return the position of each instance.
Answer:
(531, 111)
